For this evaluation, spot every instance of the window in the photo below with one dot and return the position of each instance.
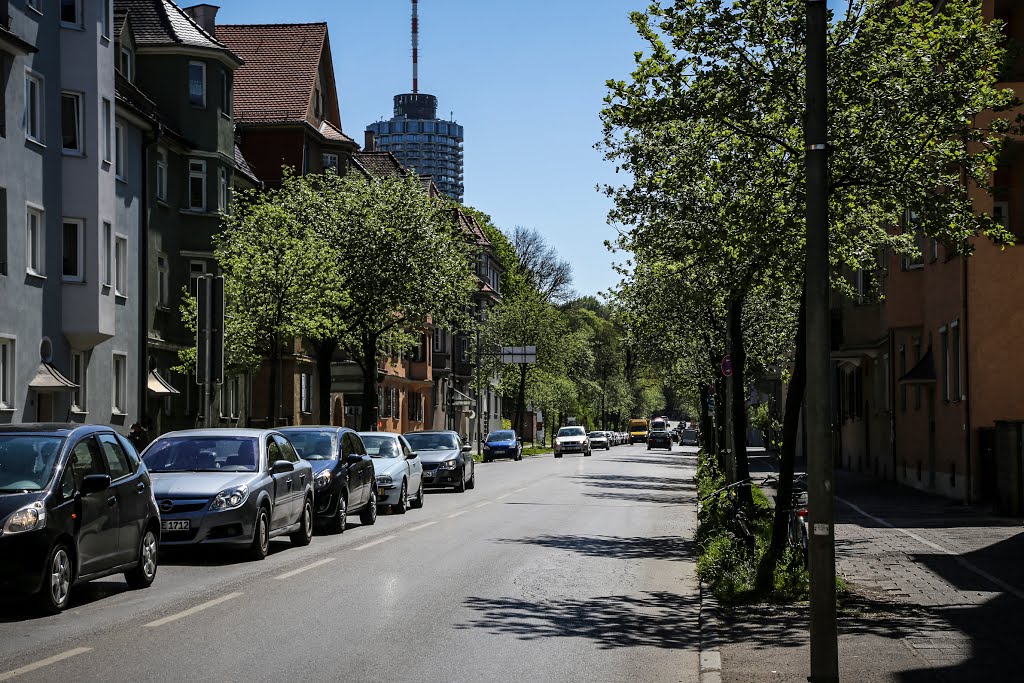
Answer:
(128, 63)
(305, 401)
(954, 349)
(330, 161)
(34, 241)
(913, 224)
(73, 260)
(225, 93)
(71, 122)
(162, 280)
(119, 143)
(197, 185)
(107, 146)
(382, 407)
(222, 189)
(71, 13)
(115, 457)
(944, 343)
(440, 339)
(78, 375)
(120, 384)
(1001, 212)
(33, 107)
(107, 249)
(121, 265)
(105, 20)
(6, 373)
(229, 397)
(197, 84)
(161, 174)
(196, 270)
(34, 4)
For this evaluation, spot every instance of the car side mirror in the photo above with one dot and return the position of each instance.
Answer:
(94, 483)
(467, 448)
(281, 467)
(412, 455)
(354, 458)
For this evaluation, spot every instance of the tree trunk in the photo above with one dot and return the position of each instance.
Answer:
(705, 416)
(368, 363)
(324, 355)
(739, 402)
(720, 408)
(521, 399)
(275, 383)
(787, 456)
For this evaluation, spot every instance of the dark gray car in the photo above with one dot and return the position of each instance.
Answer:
(236, 487)
(447, 462)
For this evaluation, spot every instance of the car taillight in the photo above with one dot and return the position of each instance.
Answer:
(801, 512)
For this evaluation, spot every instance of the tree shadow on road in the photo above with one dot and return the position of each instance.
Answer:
(652, 619)
(617, 547)
(668, 461)
(607, 481)
(14, 610)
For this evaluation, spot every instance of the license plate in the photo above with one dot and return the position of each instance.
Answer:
(174, 525)
(381, 493)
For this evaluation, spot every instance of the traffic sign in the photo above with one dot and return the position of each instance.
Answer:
(711, 403)
(727, 366)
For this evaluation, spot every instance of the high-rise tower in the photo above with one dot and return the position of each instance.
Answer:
(421, 141)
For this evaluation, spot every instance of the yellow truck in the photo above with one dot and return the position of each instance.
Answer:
(638, 429)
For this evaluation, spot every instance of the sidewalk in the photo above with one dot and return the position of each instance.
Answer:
(937, 592)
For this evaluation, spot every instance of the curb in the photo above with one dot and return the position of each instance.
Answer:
(710, 657)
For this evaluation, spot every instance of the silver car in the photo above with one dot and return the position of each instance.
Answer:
(398, 470)
(600, 440)
(236, 487)
(572, 440)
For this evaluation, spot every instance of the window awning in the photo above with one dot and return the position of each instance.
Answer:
(923, 372)
(159, 386)
(49, 379)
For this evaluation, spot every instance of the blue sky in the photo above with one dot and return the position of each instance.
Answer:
(525, 78)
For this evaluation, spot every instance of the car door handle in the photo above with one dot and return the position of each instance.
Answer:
(112, 501)
(141, 487)
(302, 478)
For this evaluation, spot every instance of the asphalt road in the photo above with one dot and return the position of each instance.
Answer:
(579, 569)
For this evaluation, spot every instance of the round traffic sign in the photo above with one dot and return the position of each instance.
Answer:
(727, 366)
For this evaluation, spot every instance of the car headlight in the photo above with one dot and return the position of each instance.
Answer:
(230, 499)
(322, 479)
(28, 518)
(384, 479)
(448, 465)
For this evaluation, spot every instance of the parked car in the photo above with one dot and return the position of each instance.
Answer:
(397, 468)
(572, 440)
(447, 461)
(599, 440)
(76, 504)
(343, 474)
(688, 437)
(234, 487)
(503, 443)
(659, 439)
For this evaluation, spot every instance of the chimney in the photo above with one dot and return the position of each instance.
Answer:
(205, 16)
(369, 144)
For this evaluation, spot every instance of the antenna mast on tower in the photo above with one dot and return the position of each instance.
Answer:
(415, 47)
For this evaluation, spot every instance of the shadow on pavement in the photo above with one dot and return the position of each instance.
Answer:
(669, 461)
(212, 556)
(640, 489)
(13, 610)
(617, 547)
(653, 619)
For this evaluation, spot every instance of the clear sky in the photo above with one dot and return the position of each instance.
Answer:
(526, 79)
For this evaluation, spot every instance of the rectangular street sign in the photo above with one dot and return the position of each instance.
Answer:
(518, 354)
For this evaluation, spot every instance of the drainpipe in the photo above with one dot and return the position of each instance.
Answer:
(965, 370)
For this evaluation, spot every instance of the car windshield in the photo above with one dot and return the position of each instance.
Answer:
(503, 435)
(202, 454)
(571, 431)
(596, 435)
(313, 444)
(382, 446)
(27, 461)
(427, 441)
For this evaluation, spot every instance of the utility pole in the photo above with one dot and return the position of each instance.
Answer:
(822, 558)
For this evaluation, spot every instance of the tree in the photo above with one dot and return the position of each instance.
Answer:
(541, 266)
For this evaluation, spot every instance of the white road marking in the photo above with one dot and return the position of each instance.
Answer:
(422, 526)
(504, 495)
(312, 565)
(480, 505)
(373, 543)
(456, 514)
(8, 675)
(996, 581)
(192, 610)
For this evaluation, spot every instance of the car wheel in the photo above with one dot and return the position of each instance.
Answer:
(305, 533)
(260, 547)
(486, 459)
(143, 573)
(471, 484)
(461, 488)
(403, 502)
(558, 455)
(57, 588)
(587, 454)
(417, 502)
(340, 519)
(368, 515)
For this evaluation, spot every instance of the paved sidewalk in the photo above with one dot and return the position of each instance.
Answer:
(937, 593)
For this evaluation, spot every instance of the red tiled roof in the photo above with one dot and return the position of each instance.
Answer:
(281, 61)
(379, 164)
(333, 133)
(158, 23)
(472, 229)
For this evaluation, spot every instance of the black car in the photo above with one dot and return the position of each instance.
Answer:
(76, 504)
(447, 462)
(343, 478)
(659, 439)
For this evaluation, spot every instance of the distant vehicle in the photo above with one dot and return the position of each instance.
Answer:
(503, 443)
(234, 487)
(599, 440)
(659, 439)
(572, 440)
(688, 437)
(638, 429)
(343, 479)
(76, 504)
(659, 424)
(398, 468)
(447, 461)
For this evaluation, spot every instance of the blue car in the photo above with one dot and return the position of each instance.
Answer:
(504, 443)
